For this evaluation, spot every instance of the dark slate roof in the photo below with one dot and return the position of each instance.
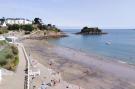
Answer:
(15, 19)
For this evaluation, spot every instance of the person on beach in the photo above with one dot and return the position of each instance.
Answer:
(59, 79)
(43, 86)
(50, 64)
(53, 82)
(67, 86)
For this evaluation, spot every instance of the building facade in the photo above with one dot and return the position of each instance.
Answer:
(10, 21)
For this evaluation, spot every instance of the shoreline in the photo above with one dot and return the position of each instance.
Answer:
(97, 58)
(76, 72)
(100, 57)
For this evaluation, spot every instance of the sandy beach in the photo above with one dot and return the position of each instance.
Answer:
(48, 78)
(93, 73)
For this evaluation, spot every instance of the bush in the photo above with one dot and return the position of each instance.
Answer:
(28, 27)
(14, 27)
(9, 56)
(3, 30)
(2, 63)
(16, 61)
(2, 43)
(57, 30)
(27, 32)
(14, 50)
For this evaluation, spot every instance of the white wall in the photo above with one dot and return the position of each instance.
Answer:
(23, 22)
(28, 22)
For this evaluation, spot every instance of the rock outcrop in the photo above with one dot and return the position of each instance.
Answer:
(91, 31)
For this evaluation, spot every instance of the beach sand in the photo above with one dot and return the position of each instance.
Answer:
(93, 73)
(45, 77)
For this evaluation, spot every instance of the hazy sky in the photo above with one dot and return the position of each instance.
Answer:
(74, 13)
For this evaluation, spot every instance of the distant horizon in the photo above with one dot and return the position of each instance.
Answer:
(79, 13)
(66, 27)
(74, 27)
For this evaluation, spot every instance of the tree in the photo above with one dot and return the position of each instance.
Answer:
(3, 19)
(44, 27)
(49, 25)
(85, 27)
(38, 21)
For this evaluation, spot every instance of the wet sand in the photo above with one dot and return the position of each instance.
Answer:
(93, 73)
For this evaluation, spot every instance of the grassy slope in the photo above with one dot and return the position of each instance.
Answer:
(8, 56)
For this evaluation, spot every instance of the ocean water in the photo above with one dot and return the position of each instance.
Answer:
(122, 47)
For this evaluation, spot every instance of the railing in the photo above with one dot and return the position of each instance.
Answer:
(27, 80)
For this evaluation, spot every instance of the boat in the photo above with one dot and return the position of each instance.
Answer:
(108, 43)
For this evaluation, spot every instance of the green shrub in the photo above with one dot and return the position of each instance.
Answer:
(27, 32)
(16, 61)
(14, 50)
(2, 43)
(2, 63)
(28, 27)
(3, 30)
(14, 27)
(9, 56)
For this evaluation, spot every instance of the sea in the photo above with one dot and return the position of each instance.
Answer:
(117, 45)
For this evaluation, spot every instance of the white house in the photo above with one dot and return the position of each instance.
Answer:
(11, 39)
(20, 21)
(10, 21)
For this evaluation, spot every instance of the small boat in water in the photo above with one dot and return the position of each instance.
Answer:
(108, 43)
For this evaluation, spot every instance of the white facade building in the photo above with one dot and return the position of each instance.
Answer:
(11, 21)
(11, 39)
(20, 21)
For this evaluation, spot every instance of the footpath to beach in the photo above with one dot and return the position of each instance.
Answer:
(14, 80)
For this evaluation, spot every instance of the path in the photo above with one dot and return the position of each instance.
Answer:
(15, 80)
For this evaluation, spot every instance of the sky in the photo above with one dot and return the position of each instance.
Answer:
(73, 13)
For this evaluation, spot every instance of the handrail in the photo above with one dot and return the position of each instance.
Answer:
(27, 67)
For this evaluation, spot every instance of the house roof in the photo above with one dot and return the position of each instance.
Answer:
(15, 19)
